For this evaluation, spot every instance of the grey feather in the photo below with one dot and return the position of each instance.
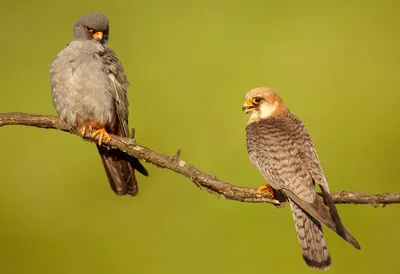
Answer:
(88, 83)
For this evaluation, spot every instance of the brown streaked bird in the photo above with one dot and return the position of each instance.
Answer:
(280, 147)
(89, 89)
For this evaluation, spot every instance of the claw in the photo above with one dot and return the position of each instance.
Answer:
(85, 128)
(83, 131)
(268, 188)
(103, 134)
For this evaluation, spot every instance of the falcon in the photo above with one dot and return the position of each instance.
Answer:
(89, 89)
(279, 146)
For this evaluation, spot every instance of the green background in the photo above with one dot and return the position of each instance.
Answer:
(335, 64)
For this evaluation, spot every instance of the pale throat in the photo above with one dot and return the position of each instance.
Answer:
(265, 111)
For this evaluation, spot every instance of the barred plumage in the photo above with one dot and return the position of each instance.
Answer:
(279, 145)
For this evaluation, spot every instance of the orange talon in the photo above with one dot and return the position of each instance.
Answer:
(103, 133)
(83, 131)
(268, 188)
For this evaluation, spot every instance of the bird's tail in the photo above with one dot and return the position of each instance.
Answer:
(120, 169)
(326, 215)
(311, 239)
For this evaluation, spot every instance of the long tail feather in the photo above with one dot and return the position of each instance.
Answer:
(320, 212)
(311, 239)
(120, 171)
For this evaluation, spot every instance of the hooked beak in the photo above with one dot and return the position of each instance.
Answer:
(247, 107)
(98, 35)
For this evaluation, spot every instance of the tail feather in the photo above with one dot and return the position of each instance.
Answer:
(326, 215)
(120, 170)
(311, 238)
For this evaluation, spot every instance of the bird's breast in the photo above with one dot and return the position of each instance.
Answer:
(80, 87)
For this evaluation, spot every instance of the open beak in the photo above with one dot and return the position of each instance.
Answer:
(247, 107)
(98, 35)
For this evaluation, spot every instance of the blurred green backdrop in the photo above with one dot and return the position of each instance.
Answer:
(335, 64)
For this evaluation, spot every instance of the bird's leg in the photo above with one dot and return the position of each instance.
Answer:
(83, 131)
(88, 125)
(268, 188)
(103, 134)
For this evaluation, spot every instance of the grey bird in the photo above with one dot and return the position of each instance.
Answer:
(280, 147)
(89, 89)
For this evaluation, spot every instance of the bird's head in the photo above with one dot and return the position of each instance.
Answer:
(92, 26)
(263, 103)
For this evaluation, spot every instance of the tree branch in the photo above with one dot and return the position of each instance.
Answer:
(203, 180)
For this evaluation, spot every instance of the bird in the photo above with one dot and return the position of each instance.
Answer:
(89, 91)
(280, 147)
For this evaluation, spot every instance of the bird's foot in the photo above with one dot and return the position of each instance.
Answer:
(268, 188)
(103, 134)
(88, 126)
(84, 128)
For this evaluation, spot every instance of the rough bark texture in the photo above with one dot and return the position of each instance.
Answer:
(203, 180)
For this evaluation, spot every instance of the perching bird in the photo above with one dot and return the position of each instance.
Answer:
(280, 147)
(89, 89)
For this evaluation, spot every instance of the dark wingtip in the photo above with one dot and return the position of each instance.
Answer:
(339, 228)
(350, 238)
(324, 265)
(354, 243)
(138, 166)
(142, 170)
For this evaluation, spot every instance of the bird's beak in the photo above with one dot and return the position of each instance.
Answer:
(98, 35)
(247, 107)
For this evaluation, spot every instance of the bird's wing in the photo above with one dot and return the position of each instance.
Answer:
(323, 214)
(282, 150)
(308, 155)
(275, 153)
(307, 150)
(118, 87)
(275, 148)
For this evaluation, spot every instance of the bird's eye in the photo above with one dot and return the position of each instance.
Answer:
(256, 100)
(88, 29)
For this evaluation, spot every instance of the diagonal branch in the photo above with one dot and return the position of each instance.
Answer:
(203, 180)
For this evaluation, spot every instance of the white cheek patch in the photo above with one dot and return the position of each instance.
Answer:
(254, 116)
(266, 110)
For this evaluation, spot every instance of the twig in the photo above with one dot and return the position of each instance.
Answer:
(203, 180)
